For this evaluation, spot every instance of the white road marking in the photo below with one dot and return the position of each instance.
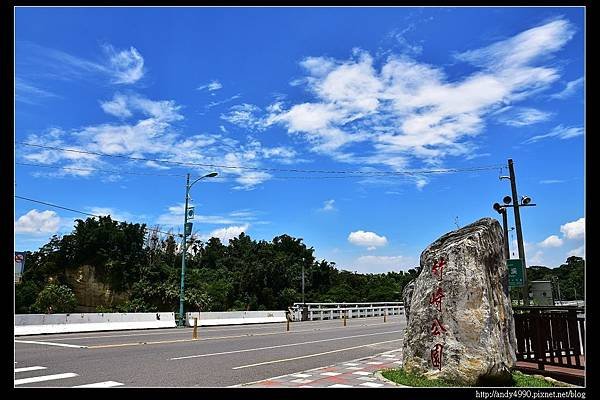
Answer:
(300, 375)
(331, 373)
(51, 344)
(371, 384)
(283, 345)
(44, 378)
(339, 385)
(315, 354)
(106, 384)
(302, 380)
(29, 369)
(364, 373)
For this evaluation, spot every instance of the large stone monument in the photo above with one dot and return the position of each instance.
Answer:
(461, 324)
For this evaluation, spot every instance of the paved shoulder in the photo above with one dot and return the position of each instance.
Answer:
(356, 373)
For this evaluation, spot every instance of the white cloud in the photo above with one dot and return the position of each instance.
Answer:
(560, 132)
(574, 230)
(569, 89)
(117, 106)
(224, 234)
(245, 115)
(404, 109)
(35, 222)
(126, 66)
(522, 49)
(26, 92)
(328, 205)
(211, 86)
(382, 264)
(523, 116)
(578, 252)
(551, 241)
(249, 180)
(550, 181)
(371, 240)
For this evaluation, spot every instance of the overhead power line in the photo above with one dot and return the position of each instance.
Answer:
(85, 213)
(114, 171)
(276, 177)
(296, 170)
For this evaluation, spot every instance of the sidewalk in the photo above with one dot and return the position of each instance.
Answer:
(358, 373)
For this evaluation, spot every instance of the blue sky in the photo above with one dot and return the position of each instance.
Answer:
(272, 95)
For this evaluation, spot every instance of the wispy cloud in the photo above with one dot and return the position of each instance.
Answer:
(560, 132)
(402, 110)
(26, 92)
(570, 88)
(523, 116)
(246, 116)
(551, 181)
(328, 206)
(211, 86)
(125, 66)
(150, 129)
(221, 102)
(120, 66)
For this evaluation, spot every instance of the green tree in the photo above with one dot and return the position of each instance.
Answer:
(26, 294)
(55, 298)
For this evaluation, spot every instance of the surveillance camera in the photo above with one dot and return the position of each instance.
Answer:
(507, 199)
(497, 207)
(525, 200)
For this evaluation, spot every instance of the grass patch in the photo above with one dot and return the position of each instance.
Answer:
(404, 378)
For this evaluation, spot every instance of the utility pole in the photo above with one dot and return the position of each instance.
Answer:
(303, 302)
(515, 201)
(181, 291)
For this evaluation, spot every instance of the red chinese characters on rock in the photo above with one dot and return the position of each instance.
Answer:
(438, 268)
(437, 328)
(436, 356)
(436, 298)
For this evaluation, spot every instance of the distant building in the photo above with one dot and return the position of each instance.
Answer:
(541, 293)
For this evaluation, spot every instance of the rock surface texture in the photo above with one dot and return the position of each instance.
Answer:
(461, 324)
(89, 291)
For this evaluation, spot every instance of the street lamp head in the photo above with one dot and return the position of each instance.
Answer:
(498, 208)
(525, 200)
(507, 199)
(211, 175)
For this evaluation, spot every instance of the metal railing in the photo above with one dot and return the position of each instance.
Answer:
(551, 335)
(326, 311)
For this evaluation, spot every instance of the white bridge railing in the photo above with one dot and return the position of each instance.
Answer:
(322, 311)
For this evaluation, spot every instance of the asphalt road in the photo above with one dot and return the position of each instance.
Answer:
(222, 356)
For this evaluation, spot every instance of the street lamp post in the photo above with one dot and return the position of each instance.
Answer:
(188, 186)
(525, 201)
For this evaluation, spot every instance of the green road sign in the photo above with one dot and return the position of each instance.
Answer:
(515, 273)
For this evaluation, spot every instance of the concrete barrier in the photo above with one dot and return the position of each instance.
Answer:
(235, 317)
(34, 324)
